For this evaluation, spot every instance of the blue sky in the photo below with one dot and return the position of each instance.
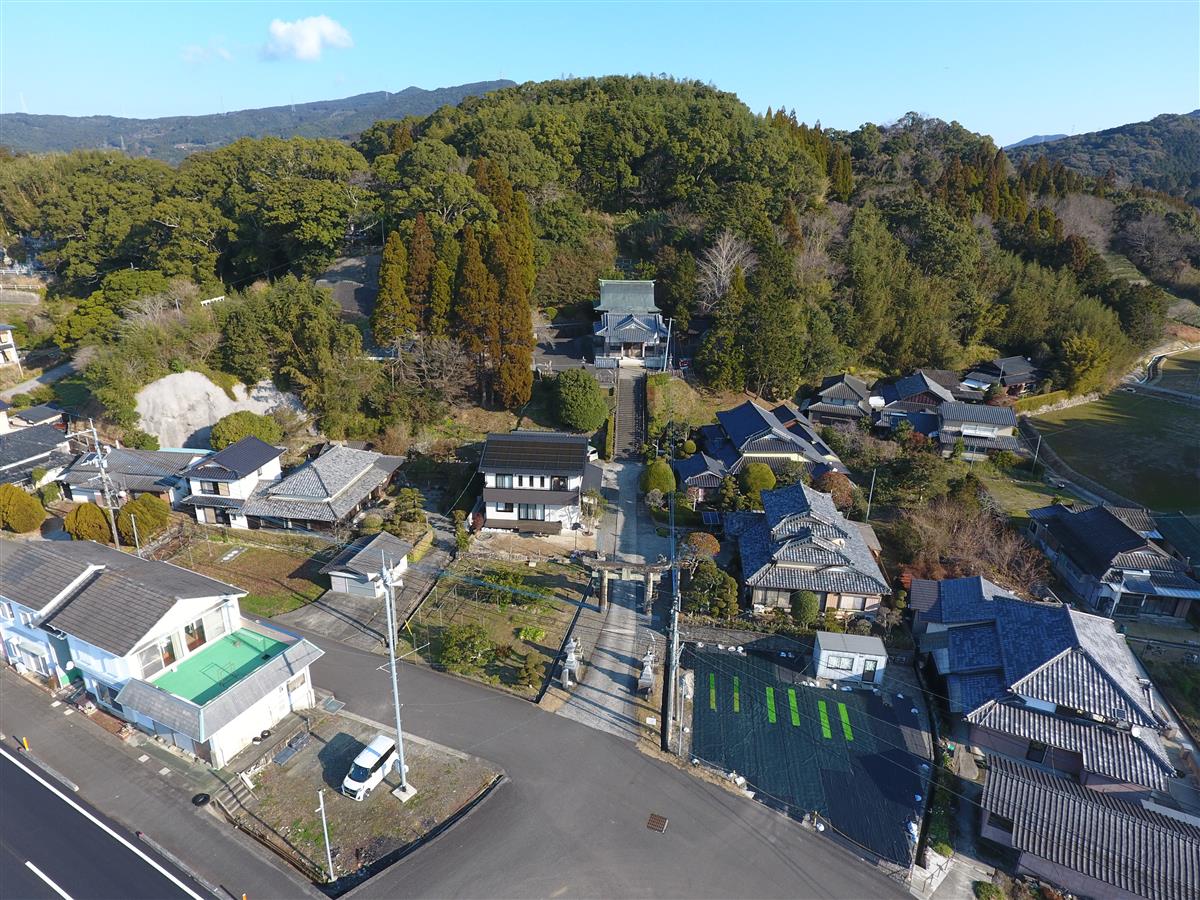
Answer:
(1008, 69)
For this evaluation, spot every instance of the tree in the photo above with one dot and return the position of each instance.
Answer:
(729, 498)
(439, 299)
(838, 486)
(582, 405)
(244, 423)
(88, 522)
(421, 262)
(466, 648)
(700, 545)
(393, 316)
(148, 514)
(756, 478)
(139, 440)
(658, 476)
(532, 670)
(715, 271)
(711, 591)
(792, 472)
(477, 299)
(19, 512)
(805, 608)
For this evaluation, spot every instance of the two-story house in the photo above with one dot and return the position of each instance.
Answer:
(164, 648)
(220, 484)
(1116, 560)
(914, 398)
(982, 429)
(842, 400)
(631, 330)
(800, 542)
(535, 480)
(131, 473)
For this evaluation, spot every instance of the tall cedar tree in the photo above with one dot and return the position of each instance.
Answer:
(393, 316)
(477, 297)
(841, 176)
(421, 260)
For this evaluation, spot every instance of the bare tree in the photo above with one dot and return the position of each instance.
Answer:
(717, 265)
(435, 364)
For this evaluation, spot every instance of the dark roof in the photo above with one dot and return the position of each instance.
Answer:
(626, 296)
(38, 415)
(326, 489)
(1096, 540)
(699, 470)
(113, 607)
(365, 556)
(844, 387)
(955, 411)
(537, 452)
(1181, 534)
(956, 600)
(903, 389)
(29, 443)
(236, 461)
(951, 381)
(630, 327)
(1124, 845)
(139, 470)
(753, 429)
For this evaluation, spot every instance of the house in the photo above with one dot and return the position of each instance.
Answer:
(1014, 375)
(535, 480)
(366, 565)
(45, 414)
(322, 494)
(5, 425)
(800, 542)
(8, 347)
(842, 400)
(26, 449)
(220, 484)
(777, 437)
(1115, 559)
(699, 475)
(952, 382)
(631, 330)
(161, 647)
(911, 395)
(849, 657)
(1087, 843)
(982, 429)
(925, 600)
(131, 473)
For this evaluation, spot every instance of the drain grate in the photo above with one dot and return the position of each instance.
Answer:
(657, 823)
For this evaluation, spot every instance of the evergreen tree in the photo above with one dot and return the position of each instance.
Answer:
(393, 315)
(720, 359)
(439, 299)
(841, 175)
(421, 262)
(476, 296)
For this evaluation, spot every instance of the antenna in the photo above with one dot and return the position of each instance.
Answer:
(105, 483)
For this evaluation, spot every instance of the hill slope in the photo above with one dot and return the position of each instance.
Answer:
(1163, 154)
(1036, 139)
(174, 137)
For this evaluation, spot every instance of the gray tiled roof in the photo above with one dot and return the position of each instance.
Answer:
(954, 412)
(1133, 756)
(700, 470)
(974, 648)
(138, 470)
(29, 443)
(628, 327)
(1130, 848)
(43, 414)
(976, 443)
(324, 490)
(903, 389)
(202, 722)
(365, 556)
(956, 600)
(33, 575)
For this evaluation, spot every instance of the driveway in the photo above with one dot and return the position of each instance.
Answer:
(572, 820)
(49, 376)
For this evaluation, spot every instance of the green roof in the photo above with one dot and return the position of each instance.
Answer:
(218, 666)
(626, 296)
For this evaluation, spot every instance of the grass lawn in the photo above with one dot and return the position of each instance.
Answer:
(277, 581)
(1181, 372)
(1016, 492)
(671, 399)
(459, 599)
(1142, 448)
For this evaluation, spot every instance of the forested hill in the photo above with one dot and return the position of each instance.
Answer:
(1162, 154)
(172, 138)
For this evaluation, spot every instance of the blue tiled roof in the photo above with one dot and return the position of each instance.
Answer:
(974, 648)
(969, 691)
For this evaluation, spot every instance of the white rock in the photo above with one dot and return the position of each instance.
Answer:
(181, 408)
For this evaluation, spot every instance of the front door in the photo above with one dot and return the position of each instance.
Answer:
(869, 666)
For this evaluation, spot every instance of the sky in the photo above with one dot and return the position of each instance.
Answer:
(1009, 69)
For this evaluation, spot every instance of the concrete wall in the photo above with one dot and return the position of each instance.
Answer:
(263, 714)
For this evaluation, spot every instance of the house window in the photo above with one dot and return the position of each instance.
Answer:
(841, 663)
(504, 507)
(504, 481)
(193, 634)
(541, 481)
(558, 483)
(852, 602)
(520, 481)
(151, 660)
(6, 611)
(107, 695)
(26, 618)
(1036, 752)
(531, 512)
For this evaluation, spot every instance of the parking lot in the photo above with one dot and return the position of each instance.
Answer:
(853, 757)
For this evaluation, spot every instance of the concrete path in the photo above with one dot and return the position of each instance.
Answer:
(58, 373)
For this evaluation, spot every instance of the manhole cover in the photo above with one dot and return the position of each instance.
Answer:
(657, 823)
(200, 800)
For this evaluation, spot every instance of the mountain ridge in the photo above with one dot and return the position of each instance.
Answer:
(1036, 139)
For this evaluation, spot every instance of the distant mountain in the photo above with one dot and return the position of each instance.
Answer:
(174, 137)
(1037, 139)
(1163, 154)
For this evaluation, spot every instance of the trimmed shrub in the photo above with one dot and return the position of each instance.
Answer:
(244, 423)
(88, 522)
(688, 447)
(805, 608)
(756, 478)
(19, 512)
(658, 476)
(148, 514)
(581, 403)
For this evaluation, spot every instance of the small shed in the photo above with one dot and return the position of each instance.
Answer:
(359, 568)
(849, 657)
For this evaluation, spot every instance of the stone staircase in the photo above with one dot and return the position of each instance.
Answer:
(631, 415)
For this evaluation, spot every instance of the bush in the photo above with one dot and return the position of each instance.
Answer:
(88, 522)
(610, 437)
(688, 447)
(532, 671)
(756, 478)
(139, 440)
(985, 890)
(244, 423)
(372, 523)
(831, 622)
(805, 608)
(51, 493)
(581, 403)
(531, 634)
(551, 313)
(19, 511)
(658, 476)
(466, 648)
(148, 514)
(702, 545)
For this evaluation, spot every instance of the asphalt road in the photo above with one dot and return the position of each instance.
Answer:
(571, 821)
(71, 853)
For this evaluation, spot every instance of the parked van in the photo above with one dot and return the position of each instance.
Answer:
(369, 767)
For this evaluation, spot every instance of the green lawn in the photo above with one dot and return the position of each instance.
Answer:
(1016, 493)
(1181, 372)
(1142, 448)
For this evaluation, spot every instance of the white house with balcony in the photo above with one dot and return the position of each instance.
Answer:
(534, 481)
(220, 484)
(164, 648)
(982, 429)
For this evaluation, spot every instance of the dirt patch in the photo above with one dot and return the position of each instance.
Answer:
(361, 833)
(277, 581)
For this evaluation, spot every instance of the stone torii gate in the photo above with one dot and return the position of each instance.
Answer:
(626, 571)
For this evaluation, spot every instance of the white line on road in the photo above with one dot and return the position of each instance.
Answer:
(87, 815)
(46, 878)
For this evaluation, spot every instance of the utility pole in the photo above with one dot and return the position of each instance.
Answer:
(325, 828)
(1036, 451)
(405, 791)
(105, 484)
(674, 687)
(871, 495)
(136, 540)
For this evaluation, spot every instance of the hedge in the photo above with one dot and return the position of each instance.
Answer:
(610, 436)
(1025, 404)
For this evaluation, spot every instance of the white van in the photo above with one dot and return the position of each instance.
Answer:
(372, 763)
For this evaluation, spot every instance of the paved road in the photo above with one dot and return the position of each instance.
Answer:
(572, 819)
(58, 373)
(69, 845)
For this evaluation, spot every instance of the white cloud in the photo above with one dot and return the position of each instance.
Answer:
(195, 54)
(305, 39)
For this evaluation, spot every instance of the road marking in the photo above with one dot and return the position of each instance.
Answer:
(143, 758)
(793, 708)
(46, 878)
(91, 818)
(737, 695)
(56, 704)
(165, 770)
(844, 715)
(67, 712)
(712, 690)
(825, 731)
(771, 705)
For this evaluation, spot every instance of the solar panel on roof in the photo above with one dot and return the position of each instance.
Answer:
(710, 518)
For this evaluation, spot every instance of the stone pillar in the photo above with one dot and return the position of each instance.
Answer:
(651, 577)
(603, 590)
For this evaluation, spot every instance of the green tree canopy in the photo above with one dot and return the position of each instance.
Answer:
(244, 423)
(756, 478)
(88, 522)
(148, 514)
(658, 476)
(466, 648)
(582, 405)
(19, 511)
(805, 608)
(711, 591)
